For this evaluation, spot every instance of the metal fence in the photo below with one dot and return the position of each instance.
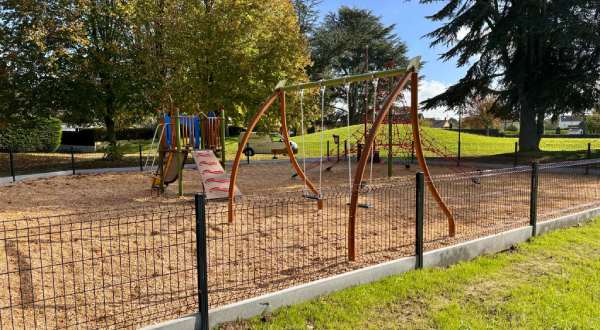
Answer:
(132, 267)
(107, 269)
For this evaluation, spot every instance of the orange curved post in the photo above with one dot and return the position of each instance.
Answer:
(288, 146)
(238, 155)
(360, 168)
(414, 103)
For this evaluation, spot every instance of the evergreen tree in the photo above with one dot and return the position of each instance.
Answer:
(538, 58)
(341, 45)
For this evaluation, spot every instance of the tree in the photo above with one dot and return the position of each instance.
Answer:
(539, 58)
(102, 81)
(307, 13)
(478, 114)
(226, 54)
(34, 47)
(339, 47)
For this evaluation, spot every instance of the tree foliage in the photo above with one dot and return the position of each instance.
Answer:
(478, 114)
(340, 46)
(115, 62)
(538, 58)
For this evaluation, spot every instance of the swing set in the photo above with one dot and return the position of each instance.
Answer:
(404, 76)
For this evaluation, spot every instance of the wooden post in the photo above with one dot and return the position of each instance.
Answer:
(223, 128)
(414, 104)
(360, 168)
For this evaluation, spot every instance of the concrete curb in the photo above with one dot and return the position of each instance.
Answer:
(437, 258)
(567, 220)
(5, 181)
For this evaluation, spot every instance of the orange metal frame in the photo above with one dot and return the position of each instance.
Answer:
(279, 93)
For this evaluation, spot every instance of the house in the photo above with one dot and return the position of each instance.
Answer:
(568, 121)
(445, 123)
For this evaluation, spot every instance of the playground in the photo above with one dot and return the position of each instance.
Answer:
(270, 224)
(137, 254)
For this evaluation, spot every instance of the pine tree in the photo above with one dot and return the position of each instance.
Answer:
(539, 58)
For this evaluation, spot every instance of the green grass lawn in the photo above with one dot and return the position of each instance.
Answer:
(473, 145)
(552, 282)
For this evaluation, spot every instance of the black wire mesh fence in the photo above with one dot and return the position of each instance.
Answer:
(568, 187)
(482, 203)
(132, 267)
(108, 269)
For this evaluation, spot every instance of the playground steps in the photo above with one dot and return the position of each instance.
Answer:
(214, 179)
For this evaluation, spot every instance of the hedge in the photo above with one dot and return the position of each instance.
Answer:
(38, 134)
(88, 136)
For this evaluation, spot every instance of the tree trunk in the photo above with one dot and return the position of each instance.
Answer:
(529, 137)
(109, 121)
(111, 134)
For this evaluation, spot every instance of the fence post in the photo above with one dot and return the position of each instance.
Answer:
(588, 156)
(12, 164)
(141, 163)
(345, 149)
(73, 160)
(516, 156)
(201, 262)
(420, 204)
(533, 199)
(248, 153)
(458, 155)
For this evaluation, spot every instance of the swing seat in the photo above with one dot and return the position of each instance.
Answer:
(363, 205)
(313, 197)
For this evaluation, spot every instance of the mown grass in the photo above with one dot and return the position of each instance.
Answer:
(486, 148)
(552, 282)
(472, 145)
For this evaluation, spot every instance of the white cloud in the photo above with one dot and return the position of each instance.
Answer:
(427, 90)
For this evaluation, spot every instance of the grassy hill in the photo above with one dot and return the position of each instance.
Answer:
(473, 145)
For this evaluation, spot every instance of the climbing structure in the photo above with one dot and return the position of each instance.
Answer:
(402, 77)
(396, 136)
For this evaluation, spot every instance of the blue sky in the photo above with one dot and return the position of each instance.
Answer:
(411, 26)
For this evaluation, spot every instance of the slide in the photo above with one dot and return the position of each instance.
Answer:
(171, 169)
(214, 179)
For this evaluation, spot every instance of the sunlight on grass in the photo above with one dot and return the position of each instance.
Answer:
(551, 282)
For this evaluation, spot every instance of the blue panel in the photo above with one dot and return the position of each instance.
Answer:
(168, 131)
(197, 132)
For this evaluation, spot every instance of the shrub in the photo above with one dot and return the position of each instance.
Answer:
(37, 134)
(113, 152)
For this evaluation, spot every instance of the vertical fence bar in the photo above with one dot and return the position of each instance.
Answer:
(72, 160)
(248, 153)
(390, 157)
(420, 205)
(338, 150)
(516, 155)
(358, 151)
(412, 152)
(533, 199)
(141, 163)
(588, 156)
(201, 261)
(327, 150)
(345, 149)
(11, 159)
(459, 147)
